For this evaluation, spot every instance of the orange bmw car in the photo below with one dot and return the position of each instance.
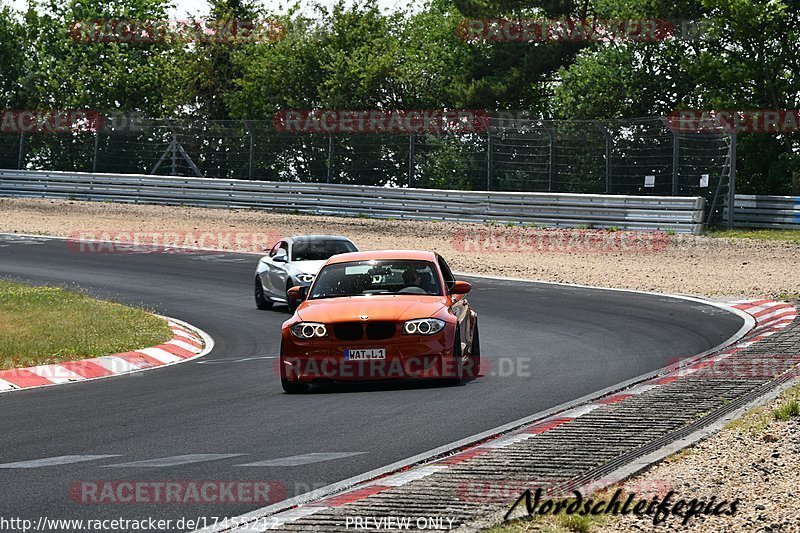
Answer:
(380, 316)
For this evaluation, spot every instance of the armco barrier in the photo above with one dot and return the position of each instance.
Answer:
(681, 214)
(766, 211)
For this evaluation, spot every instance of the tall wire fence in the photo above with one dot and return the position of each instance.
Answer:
(634, 157)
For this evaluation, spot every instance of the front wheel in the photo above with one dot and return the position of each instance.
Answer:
(261, 301)
(457, 361)
(293, 387)
(473, 369)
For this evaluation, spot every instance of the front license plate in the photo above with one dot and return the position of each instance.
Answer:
(365, 354)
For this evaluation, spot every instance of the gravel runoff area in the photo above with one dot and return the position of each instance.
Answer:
(661, 262)
(755, 459)
(758, 458)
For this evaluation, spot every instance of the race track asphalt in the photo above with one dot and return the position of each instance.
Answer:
(545, 344)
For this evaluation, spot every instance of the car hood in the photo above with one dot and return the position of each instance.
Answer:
(380, 307)
(308, 267)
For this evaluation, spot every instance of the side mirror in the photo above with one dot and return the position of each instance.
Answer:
(280, 257)
(460, 287)
(296, 293)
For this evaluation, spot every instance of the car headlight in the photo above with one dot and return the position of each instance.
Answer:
(305, 278)
(423, 326)
(309, 330)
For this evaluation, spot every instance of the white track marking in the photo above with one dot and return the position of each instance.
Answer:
(115, 364)
(581, 410)
(398, 480)
(175, 460)
(639, 389)
(181, 333)
(185, 345)
(162, 355)
(55, 461)
(5, 385)
(502, 442)
(305, 459)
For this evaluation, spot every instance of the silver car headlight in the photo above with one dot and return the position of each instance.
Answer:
(423, 326)
(306, 278)
(309, 330)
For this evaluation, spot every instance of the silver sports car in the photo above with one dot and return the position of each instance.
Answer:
(294, 261)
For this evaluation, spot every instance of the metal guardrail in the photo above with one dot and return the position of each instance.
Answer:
(752, 211)
(680, 214)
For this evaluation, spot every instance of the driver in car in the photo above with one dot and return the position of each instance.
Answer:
(412, 278)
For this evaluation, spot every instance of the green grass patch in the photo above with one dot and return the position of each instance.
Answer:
(44, 325)
(561, 522)
(787, 411)
(757, 420)
(788, 235)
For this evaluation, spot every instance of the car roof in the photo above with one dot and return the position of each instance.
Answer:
(316, 237)
(417, 255)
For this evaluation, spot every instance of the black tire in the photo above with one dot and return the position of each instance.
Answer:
(292, 387)
(458, 361)
(291, 303)
(473, 370)
(262, 302)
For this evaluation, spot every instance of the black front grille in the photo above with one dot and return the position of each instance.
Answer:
(354, 331)
(348, 331)
(380, 330)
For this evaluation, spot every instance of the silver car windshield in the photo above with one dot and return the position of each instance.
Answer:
(364, 278)
(319, 249)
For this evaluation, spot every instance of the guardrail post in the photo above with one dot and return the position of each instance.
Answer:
(94, 151)
(21, 156)
(489, 157)
(551, 156)
(732, 182)
(607, 138)
(411, 139)
(330, 157)
(174, 147)
(252, 145)
(676, 147)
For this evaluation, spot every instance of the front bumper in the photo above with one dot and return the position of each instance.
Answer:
(407, 357)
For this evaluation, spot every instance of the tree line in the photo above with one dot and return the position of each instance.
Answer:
(357, 55)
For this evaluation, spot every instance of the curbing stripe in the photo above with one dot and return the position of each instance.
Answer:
(403, 478)
(187, 343)
(115, 364)
(160, 354)
(56, 373)
(353, 496)
(86, 368)
(5, 385)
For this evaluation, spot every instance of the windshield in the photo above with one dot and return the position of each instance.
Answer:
(363, 278)
(319, 249)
